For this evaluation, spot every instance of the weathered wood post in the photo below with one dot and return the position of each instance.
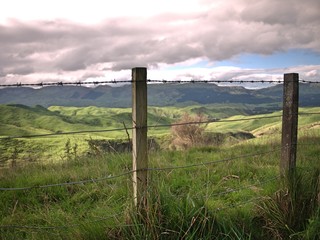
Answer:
(139, 137)
(289, 124)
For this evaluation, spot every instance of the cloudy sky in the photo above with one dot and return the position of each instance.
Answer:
(79, 40)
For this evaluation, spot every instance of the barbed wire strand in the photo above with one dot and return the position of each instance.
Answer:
(163, 81)
(193, 81)
(226, 81)
(75, 83)
(308, 81)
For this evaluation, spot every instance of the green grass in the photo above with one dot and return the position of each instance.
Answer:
(208, 201)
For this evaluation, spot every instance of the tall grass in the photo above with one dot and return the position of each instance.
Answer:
(293, 211)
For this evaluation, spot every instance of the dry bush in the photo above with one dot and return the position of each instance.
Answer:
(189, 131)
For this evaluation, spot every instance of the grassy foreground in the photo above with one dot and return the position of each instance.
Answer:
(230, 192)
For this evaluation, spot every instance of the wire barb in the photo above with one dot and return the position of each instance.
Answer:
(163, 81)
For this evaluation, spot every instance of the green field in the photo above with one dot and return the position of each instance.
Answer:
(19, 120)
(226, 191)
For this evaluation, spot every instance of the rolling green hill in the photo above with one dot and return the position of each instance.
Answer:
(20, 120)
(268, 124)
(23, 120)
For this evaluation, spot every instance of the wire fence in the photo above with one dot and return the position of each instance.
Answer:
(152, 169)
(162, 81)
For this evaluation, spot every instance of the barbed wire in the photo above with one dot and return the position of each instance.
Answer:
(308, 81)
(163, 81)
(225, 81)
(214, 81)
(75, 83)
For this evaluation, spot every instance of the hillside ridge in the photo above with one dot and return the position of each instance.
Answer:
(158, 95)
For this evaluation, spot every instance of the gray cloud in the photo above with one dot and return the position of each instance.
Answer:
(219, 33)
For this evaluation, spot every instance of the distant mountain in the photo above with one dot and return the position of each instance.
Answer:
(158, 95)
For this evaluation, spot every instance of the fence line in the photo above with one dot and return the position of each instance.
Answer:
(226, 81)
(76, 83)
(80, 83)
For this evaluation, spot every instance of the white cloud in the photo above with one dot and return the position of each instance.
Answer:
(70, 38)
(312, 73)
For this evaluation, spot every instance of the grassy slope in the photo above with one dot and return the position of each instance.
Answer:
(35, 120)
(267, 125)
(22, 120)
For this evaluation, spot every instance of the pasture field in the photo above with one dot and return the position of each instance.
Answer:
(230, 191)
(19, 120)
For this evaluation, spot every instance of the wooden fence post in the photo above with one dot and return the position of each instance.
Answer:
(139, 137)
(289, 124)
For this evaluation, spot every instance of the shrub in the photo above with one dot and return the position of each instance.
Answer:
(189, 131)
